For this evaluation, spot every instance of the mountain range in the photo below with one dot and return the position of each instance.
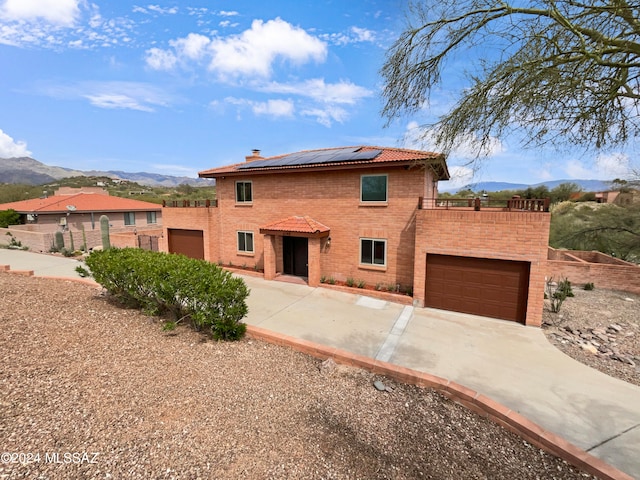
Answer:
(585, 185)
(32, 172)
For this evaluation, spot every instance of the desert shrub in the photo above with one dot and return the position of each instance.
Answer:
(557, 293)
(361, 284)
(350, 282)
(159, 283)
(589, 286)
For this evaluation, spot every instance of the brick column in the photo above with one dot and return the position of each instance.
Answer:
(314, 261)
(269, 257)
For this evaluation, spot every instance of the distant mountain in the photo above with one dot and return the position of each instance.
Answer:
(32, 172)
(586, 185)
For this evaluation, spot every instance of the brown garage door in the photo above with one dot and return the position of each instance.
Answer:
(186, 242)
(480, 286)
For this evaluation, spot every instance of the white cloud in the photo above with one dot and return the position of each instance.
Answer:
(576, 169)
(460, 177)
(10, 148)
(60, 23)
(57, 12)
(112, 95)
(273, 108)
(326, 116)
(615, 165)
(422, 138)
(163, 11)
(253, 52)
(161, 59)
(193, 46)
(117, 100)
(353, 35)
(225, 13)
(343, 92)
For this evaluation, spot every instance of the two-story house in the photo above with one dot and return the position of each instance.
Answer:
(364, 213)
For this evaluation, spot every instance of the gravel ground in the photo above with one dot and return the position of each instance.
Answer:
(600, 328)
(92, 390)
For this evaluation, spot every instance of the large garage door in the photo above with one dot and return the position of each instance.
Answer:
(480, 286)
(186, 242)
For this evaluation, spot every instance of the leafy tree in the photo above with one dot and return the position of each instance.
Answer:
(559, 70)
(9, 217)
(606, 228)
(564, 191)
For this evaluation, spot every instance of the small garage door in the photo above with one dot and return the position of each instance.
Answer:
(186, 242)
(480, 286)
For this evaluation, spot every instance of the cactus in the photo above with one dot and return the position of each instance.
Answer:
(84, 240)
(59, 241)
(104, 229)
(71, 245)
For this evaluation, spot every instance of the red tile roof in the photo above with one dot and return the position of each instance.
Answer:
(401, 156)
(80, 202)
(296, 224)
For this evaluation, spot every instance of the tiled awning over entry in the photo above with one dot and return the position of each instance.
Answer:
(301, 226)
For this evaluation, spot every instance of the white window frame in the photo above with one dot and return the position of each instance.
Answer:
(373, 264)
(386, 193)
(245, 233)
(243, 202)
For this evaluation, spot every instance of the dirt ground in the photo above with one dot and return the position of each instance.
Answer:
(94, 391)
(600, 328)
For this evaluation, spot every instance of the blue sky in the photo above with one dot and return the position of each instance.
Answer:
(176, 87)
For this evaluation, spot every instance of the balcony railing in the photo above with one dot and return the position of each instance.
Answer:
(189, 203)
(512, 204)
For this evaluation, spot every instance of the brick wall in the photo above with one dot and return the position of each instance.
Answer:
(332, 199)
(519, 236)
(614, 277)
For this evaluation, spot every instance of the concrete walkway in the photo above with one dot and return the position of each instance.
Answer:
(510, 363)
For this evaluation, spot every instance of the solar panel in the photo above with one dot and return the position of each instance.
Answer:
(315, 157)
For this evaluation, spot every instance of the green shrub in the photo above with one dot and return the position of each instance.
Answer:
(564, 286)
(361, 284)
(350, 282)
(209, 297)
(589, 286)
(323, 279)
(331, 281)
(557, 293)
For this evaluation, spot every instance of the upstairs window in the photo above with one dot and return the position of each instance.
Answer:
(151, 217)
(244, 192)
(373, 252)
(129, 218)
(373, 188)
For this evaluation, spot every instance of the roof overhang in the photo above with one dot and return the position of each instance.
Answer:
(297, 226)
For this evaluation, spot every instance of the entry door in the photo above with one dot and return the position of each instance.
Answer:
(296, 256)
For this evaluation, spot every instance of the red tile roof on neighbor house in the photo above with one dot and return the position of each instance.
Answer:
(297, 224)
(80, 202)
(396, 156)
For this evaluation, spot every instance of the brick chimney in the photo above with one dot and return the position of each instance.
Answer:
(255, 155)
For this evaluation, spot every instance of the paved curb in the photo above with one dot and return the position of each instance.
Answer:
(481, 404)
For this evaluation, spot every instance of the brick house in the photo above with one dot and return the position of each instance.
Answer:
(369, 214)
(77, 210)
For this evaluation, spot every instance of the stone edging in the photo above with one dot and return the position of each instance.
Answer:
(482, 405)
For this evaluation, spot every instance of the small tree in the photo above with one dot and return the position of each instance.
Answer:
(9, 217)
(557, 70)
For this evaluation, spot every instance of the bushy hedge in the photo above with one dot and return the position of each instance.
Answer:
(211, 298)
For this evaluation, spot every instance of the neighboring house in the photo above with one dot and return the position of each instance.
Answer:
(369, 214)
(78, 211)
(622, 199)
